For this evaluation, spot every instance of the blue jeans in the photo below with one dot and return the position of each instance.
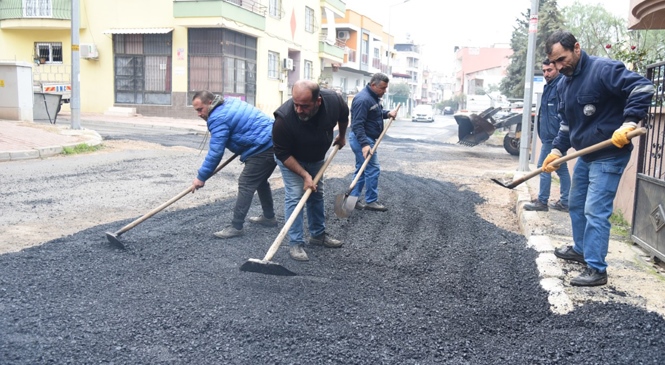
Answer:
(546, 178)
(370, 177)
(254, 178)
(592, 195)
(293, 191)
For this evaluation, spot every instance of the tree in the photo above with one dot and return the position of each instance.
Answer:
(549, 20)
(400, 92)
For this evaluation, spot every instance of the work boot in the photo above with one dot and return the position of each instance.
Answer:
(375, 206)
(267, 222)
(297, 252)
(536, 205)
(325, 240)
(558, 206)
(229, 232)
(590, 277)
(568, 253)
(360, 205)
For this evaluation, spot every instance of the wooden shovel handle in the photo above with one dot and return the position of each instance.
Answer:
(170, 201)
(582, 152)
(371, 152)
(280, 237)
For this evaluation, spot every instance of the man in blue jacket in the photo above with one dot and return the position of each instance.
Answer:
(599, 99)
(548, 128)
(367, 117)
(247, 131)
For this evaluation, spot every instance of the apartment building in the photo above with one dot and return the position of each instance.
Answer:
(152, 55)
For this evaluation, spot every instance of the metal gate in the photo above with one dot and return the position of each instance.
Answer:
(649, 211)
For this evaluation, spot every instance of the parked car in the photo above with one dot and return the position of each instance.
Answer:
(448, 110)
(423, 113)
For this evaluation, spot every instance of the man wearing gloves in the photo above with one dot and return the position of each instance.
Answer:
(599, 99)
(243, 129)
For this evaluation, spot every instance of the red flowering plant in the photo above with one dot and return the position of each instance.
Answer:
(631, 55)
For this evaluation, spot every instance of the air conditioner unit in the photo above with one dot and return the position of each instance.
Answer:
(343, 34)
(88, 51)
(288, 64)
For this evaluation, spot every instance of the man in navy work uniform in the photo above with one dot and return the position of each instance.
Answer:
(367, 117)
(548, 128)
(599, 99)
(303, 132)
(247, 131)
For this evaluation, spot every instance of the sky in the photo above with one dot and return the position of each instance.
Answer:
(440, 25)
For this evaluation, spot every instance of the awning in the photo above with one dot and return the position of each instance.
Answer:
(138, 31)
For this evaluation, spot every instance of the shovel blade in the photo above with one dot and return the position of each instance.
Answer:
(507, 186)
(266, 267)
(344, 205)
(114, 241)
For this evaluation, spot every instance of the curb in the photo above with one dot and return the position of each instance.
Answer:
(549, 267)
(94, 139)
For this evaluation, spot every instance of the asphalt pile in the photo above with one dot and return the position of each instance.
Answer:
(428, 281)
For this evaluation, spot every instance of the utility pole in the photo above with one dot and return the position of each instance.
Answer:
(528, 88)
(75, 98)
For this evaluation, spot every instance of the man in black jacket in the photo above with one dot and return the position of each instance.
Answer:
(302, 134)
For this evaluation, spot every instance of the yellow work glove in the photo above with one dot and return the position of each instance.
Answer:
(553, 155)
(620, 136)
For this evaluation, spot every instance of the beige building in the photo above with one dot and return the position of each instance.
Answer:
(152, 55)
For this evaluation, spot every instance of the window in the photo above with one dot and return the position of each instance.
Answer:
(275, 9)
(48, 52)
(309, 20)
(142, 68)
(37, 8)
(309, 70)
(223, 62)
(273, 65)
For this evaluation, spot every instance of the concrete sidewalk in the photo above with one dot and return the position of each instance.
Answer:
(31, 140)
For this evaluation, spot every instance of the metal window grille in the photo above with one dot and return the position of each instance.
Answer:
(309, 70)
(223, 62)
(310, 20)
(37, 8)
(142, 68)
(273, 65)
(48, 52)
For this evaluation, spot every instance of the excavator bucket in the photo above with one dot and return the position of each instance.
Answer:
(474, 129)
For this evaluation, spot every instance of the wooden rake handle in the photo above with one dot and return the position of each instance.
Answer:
(280, 237)
(371, 152)
(170, 201)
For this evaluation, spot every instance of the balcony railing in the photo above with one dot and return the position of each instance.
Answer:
(339, 42)
(351, 56)
(254, 6)
(19, 9)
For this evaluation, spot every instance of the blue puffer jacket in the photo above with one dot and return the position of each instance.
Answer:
(239, 127)
(549, 121)
(367, 116)
(596, 100)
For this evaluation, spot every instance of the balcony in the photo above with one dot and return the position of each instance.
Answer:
(248, 12)
(333, 51)
(647, 14)
(26, 14)
(336, 5)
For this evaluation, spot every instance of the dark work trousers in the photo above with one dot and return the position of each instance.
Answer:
(254, 177)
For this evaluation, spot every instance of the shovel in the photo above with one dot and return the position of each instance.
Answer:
(268, 267)
(561, 160)
(113, 237)
(346, 203)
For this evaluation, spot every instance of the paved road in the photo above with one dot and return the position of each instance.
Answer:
(443, 129)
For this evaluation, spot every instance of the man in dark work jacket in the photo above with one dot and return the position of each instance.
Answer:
(302, 134)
